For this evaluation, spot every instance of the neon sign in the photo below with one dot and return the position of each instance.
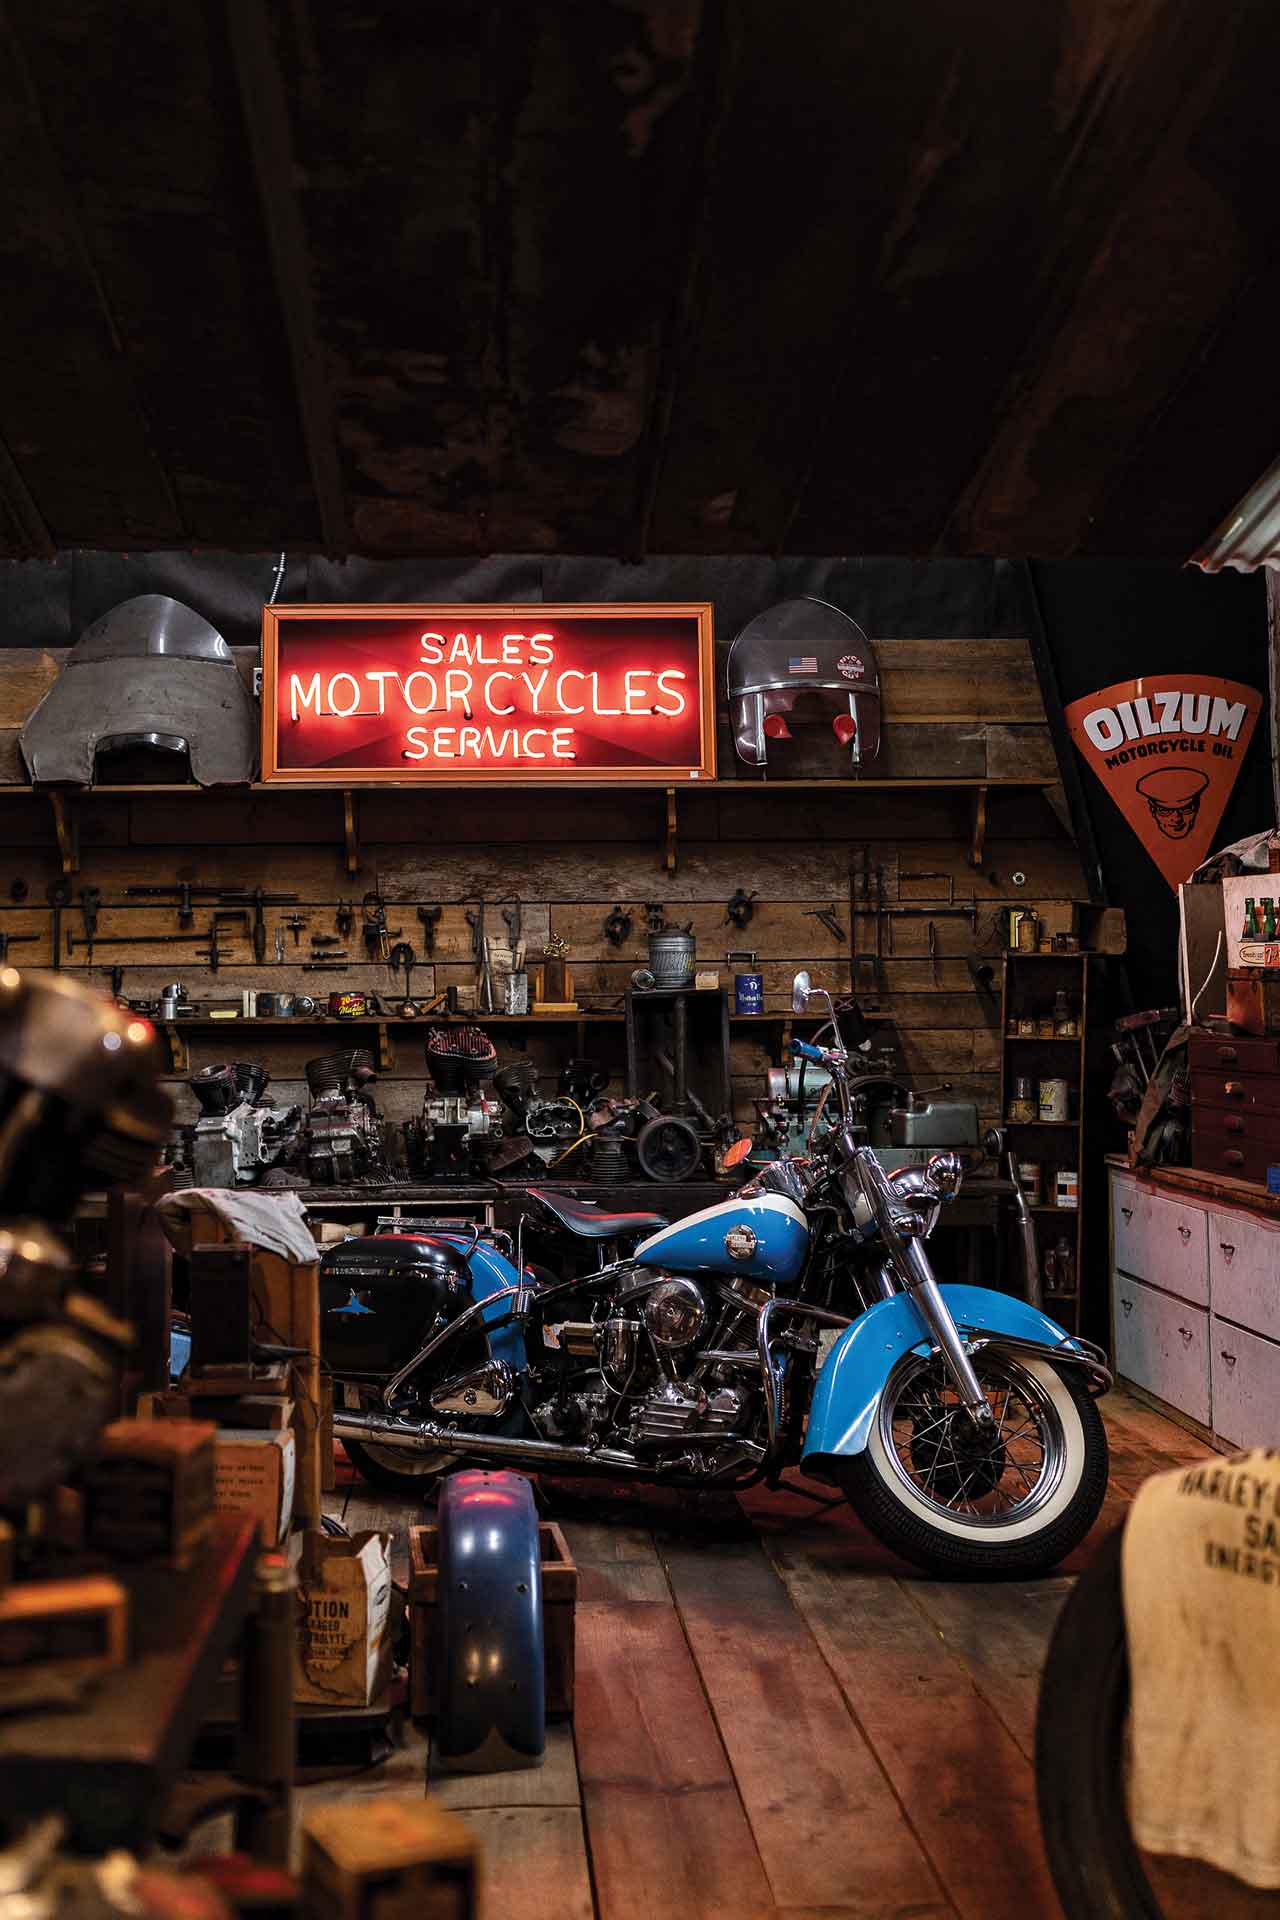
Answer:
(523, 694)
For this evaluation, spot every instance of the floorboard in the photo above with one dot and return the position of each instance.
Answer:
(775, 1716)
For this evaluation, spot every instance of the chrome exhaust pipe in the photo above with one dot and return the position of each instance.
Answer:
(426, 1437)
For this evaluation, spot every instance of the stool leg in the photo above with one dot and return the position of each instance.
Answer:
(267, 1737)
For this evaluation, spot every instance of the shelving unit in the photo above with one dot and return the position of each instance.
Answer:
(1029, 982)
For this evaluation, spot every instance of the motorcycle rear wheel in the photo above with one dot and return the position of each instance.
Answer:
(967, 1505)
(395, 1469)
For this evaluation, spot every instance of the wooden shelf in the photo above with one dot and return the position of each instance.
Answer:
(1042, 1206)
(1069, 1125)
(1043, 1039)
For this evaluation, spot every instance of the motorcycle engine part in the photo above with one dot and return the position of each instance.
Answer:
(668, 1148)
(349, 1006)
(80, 1106)
(673, 1412)
(238, 1135)
(151, 673)
(675, 1313)
(582, 1080)
(457, 1056)
(344, 1072)
(926, 1122)
(798, 647)
(608, 1159)
(618, 1350)
(487, 1390)
(617, 927)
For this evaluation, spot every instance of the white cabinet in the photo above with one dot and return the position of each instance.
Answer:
(1246, 1386)
(1163, 1345)
(1173, 1257)
(1244, 1269)
(1160, 1240)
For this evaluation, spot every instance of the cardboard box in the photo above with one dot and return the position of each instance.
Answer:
(559, 1601)
(150, 1492)
(344, 1612)
(253, 1472)
(388, 1859)
(76, 1629)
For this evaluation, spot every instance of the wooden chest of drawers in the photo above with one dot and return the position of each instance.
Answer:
(1235, 1105)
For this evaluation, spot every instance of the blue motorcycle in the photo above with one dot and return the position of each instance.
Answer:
(796, 1324)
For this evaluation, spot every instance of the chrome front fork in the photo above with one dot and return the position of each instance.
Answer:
(933, 1310)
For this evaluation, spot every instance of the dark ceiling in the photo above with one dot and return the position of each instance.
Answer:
(443, 277)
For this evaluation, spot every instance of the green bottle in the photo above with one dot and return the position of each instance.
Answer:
(1248, 932)
(1268, 919)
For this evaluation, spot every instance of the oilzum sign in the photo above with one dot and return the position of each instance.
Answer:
(1167, 748)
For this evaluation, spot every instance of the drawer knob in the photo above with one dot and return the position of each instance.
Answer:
(1184, 1234)
(1228, 1251)
(1234, 1123)
(1127, 1212)
(1230, 1358)
(1233, 1157)
(1228, 1053)
(1234, 1089)
(1186, 1335)
(1127, 1305)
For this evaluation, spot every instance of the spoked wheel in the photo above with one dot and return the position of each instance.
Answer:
(668, 1148)
(395, 1470)
(981, 1502)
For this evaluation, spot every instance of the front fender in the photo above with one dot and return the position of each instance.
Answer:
(853, 1374)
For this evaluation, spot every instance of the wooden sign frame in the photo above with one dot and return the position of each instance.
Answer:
(530, 615)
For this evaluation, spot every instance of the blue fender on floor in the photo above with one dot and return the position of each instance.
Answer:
(489, 1645)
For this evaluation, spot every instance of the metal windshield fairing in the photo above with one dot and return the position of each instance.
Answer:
(697, 1244)
(152, 672)
(854, 1372)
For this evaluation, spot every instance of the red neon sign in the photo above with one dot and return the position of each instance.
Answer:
(486, 693)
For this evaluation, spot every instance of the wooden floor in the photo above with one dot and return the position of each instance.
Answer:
(773, 1716)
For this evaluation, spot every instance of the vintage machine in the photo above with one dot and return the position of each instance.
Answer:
(346, 1142)
(798, 660)
(240, 1132)
(80, 1108)
(550, 1126)
(461, 1119)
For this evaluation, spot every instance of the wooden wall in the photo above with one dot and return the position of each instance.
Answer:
(951, 709)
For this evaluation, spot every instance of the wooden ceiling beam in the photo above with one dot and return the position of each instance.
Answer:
(266, 115)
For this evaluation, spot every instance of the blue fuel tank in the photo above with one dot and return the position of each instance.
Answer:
(765, 1240)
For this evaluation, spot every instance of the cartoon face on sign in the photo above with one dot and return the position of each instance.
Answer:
(1167, 748)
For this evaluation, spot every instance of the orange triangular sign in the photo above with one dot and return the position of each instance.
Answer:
(1167, 748)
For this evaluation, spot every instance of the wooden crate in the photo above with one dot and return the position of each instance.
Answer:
(76, 1629)
(559, 1599)
(149, 1493)
(389, 1859)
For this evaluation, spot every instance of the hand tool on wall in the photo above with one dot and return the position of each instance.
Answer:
(740, 910)
(259, 899)
(8, 940)
(480, 949)
(376, 937)
(90, 897)
(186, 893)
(429, 917)
(513, 919)
(139, 940)
(403, 958)
(346, 917)
(325, 940)
(58, 894)
(18, 891)
(827, 916)
(278, 938)
(295, 923)
(617, 927)
(224, 917)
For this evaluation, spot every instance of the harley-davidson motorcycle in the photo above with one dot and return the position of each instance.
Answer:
(796, 1324)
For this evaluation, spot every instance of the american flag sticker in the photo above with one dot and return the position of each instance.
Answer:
(802, 663)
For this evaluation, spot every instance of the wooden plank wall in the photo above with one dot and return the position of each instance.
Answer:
(571, 858)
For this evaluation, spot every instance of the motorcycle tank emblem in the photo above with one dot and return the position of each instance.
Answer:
(740, 1243)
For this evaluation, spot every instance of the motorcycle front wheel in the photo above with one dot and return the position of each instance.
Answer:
(969, 1502)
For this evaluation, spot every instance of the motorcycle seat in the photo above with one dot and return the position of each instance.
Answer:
(590, 1222)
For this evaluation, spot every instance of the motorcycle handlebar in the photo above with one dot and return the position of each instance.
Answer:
(805, 1050)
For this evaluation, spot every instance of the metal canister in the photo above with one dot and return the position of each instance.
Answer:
(1030, 1179)
(748, 993)
(1022, 1101)
(1054, 1098)
(1067, 1187)
(671, 957)
(350, 1006)
(171, 998)
(275, 1006)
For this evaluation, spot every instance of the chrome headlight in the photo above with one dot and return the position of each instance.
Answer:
(945, 1172)
(675, 1313)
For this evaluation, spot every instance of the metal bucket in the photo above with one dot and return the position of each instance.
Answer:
(671, 958)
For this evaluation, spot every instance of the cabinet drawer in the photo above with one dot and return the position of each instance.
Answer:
(1243, 1056)
(1233, 1129)
(1240, 1158)
(1246, 1387)
(1163, 1345)
(1244, 1271)
(1256, 1092)
(1160, 1240)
